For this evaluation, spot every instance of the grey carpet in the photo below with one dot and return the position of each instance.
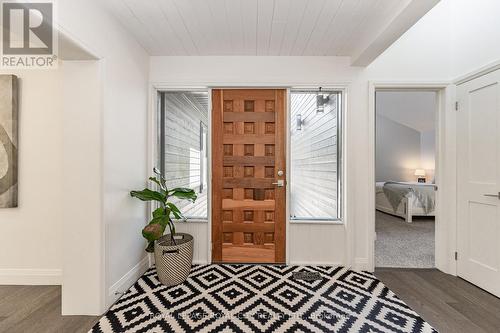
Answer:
(402, 244)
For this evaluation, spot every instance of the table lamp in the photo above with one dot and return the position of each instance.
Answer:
(420, 173)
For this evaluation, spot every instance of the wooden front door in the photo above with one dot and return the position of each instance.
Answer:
(248, 158)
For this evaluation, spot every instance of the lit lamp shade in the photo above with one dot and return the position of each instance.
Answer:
(420, 173)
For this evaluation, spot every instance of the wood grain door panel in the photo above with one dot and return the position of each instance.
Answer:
(248, 150)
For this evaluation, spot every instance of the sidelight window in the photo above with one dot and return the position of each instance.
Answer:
(315, 132)
(183, 146)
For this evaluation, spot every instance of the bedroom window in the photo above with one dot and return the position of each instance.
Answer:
(315, 132)
(183, 155)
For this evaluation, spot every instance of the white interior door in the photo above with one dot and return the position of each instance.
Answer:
(478, 167)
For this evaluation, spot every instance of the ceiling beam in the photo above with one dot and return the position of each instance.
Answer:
(404, 20)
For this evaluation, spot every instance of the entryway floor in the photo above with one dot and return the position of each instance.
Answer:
(448, 303)
(37, 309)
(262, 298)
(402, 244)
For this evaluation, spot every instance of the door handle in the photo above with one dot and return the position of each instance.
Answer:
(493, 195)
(280, 183)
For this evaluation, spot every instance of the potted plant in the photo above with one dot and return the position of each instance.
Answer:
(174, 251)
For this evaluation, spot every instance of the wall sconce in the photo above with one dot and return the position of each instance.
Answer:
(321, 100)
(299, 122)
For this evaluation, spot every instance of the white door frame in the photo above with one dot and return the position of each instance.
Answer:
(445, 172)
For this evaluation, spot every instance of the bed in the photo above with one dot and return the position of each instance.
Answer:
(405, 199)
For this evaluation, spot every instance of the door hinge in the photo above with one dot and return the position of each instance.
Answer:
(456, 106)
(456, 255)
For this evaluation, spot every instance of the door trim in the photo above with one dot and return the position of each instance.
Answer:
(445, 230)
(491, 67)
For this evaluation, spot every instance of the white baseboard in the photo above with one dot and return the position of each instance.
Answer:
(30, 276)
(361, 264)
(315, 263)
(126, 281)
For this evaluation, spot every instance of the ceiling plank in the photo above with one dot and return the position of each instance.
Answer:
(222, 39)
(235, 25)
(196, 23)
(249, 19)
(265, 12)
(297, 9)
(205, 22)
(137, 19)
(315, 44)
(163, 29)
(177, 24)
(342, 22)
(309, 22)
(124, 14)
(281, 12)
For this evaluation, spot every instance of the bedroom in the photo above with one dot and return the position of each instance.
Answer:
(405, 198)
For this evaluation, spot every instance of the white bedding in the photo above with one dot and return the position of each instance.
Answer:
(383, 204)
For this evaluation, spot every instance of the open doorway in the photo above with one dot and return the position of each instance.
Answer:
(405, 195)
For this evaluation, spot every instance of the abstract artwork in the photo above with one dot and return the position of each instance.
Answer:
(8, 140)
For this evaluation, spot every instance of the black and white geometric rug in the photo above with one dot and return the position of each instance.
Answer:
(262, 298)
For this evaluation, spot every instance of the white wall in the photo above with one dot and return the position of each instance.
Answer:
(81, 204)
(428, 153)
(31, 234)
(475, 35)
(397, 152)
(123, 85)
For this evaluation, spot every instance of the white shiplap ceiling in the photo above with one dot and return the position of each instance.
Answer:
(355, 28)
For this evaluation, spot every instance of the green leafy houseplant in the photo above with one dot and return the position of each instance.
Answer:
(162, 216)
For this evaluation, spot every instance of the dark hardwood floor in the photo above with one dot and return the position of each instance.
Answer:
(30, 309)
(448, 303)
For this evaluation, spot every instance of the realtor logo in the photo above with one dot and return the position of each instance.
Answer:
(28, 36)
